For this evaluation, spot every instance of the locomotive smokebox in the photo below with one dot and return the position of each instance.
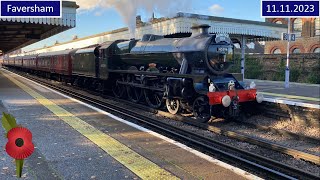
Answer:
(202, 29)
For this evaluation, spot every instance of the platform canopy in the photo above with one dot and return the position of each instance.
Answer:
(182, 23)
(16, 33)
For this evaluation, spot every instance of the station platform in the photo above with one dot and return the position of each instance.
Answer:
(298, 94)
(74, 140)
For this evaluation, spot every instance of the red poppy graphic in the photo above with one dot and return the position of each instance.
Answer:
(19, 144)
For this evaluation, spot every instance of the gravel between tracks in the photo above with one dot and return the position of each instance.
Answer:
(300, 145)
(287, 125)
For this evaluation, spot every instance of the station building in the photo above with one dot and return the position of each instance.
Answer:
(307, 32)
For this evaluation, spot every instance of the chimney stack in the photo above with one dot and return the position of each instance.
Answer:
(198, 30)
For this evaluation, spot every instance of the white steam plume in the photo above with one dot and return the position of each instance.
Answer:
(128, 9)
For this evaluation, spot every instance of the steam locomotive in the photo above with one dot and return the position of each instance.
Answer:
(184, 74)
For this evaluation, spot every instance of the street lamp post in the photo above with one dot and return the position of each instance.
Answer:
(287, 74)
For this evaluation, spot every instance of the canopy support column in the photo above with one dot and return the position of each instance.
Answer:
(243, 48)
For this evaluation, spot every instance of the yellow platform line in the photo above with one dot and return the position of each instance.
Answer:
(292, 96)
(138, 164)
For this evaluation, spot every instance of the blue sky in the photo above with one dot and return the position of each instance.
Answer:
(92, 19)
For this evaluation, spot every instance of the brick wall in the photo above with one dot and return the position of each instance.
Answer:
(306, 45)
(308, 25)
(270, 61)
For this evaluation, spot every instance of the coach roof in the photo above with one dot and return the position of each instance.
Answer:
(63, 52)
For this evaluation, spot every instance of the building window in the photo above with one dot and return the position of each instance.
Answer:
(297, 25)
(317, 26)
(316, 50)
(277, 51)
(278, 22)
(296, 50)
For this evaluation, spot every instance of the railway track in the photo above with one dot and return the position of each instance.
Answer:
(252, 140)
(255, 163)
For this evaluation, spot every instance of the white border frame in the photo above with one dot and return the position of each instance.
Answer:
(287, 16)
(60, 16)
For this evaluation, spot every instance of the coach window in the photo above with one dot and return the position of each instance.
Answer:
(277, 51)
(296, 50)
(317, 26)
(316, 50)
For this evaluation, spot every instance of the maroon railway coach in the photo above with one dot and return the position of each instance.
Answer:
(56, 64)
(30, 62)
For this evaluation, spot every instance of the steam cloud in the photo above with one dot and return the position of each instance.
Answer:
(128, 9)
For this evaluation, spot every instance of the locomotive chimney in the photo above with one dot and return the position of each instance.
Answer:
(202, 29)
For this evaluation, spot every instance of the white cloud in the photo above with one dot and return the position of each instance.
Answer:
(87, 4)
(216, 9)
